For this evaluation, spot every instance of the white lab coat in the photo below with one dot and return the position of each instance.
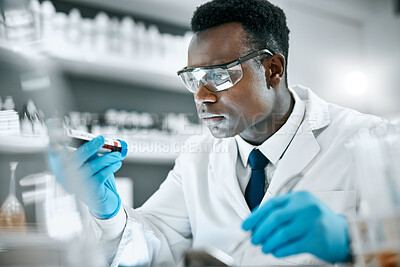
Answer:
(200, 202)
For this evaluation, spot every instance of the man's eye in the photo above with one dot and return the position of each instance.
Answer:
(192, 79)
(220, 76)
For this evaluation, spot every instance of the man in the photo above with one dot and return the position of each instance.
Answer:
(274, 165)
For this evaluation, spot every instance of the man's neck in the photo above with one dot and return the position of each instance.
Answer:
(258, 133)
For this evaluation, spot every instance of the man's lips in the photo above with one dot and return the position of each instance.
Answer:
(211, 119)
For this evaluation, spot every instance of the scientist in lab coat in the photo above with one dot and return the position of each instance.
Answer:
(274, 164)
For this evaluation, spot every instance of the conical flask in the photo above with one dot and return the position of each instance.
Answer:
(12, 214)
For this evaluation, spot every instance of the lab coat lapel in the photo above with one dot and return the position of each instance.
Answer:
(223, 168)
(304, 146)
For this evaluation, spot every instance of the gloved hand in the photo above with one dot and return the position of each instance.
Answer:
(296, 223)
(90, 176)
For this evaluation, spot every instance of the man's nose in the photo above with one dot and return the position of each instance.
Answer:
(204, 95)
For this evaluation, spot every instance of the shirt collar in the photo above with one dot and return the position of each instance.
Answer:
(274, 147)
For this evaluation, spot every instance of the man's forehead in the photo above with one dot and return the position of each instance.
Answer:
(217, 45)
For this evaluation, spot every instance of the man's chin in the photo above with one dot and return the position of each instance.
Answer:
(219, 132)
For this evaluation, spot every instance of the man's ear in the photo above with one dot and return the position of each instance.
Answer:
(274, 70)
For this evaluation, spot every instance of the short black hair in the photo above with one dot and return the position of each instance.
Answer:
(264, 23)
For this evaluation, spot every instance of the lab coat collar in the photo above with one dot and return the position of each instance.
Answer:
(317, 112)
(274, 147)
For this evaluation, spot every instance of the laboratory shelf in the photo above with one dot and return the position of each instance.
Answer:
(114, 68)
(35, 248)
(117, 71)
(151, 158)
(160, 10)
(23, 144)
(10, 240)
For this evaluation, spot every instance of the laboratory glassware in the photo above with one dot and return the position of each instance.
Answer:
(375, 230)
(12, 214)
(18, 21)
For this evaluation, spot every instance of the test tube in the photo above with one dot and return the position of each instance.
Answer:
(80, 137)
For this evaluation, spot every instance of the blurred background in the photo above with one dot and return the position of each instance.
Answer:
(110, 68)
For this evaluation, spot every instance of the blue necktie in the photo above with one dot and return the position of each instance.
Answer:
(255, 189)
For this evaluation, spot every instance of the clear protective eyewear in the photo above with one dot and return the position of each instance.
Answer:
(217, 77)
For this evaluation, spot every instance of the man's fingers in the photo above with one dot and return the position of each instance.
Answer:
(110, 183)
(257, 216)
(271, 223)
(103, 175)
(94, 156)
(293, 247)
(91, 168)
(284, 234)
(87, 150)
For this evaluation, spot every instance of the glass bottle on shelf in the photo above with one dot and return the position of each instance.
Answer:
(12, 214)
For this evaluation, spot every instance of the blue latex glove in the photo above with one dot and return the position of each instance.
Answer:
(90, 176)
(296, 223)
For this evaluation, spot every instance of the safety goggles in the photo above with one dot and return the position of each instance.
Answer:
(217, 77)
